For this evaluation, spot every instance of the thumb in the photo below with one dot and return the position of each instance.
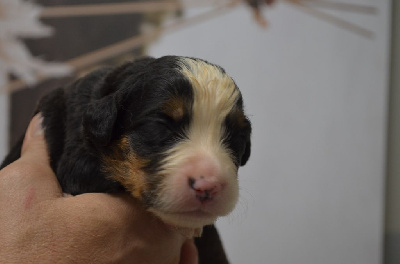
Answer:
(34, 143)
(35, 162)
(189, 253)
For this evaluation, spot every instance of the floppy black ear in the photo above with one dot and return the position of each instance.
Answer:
(99, 120)
(247, 150)
(246, 154)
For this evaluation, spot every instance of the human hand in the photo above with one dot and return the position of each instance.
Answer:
(39, 225)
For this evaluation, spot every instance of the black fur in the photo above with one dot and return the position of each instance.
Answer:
(82, 120)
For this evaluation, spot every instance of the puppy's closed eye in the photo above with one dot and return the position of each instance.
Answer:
(155, 131)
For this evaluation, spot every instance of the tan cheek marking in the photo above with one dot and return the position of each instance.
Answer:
(124, 166)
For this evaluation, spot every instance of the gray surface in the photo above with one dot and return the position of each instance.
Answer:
(392, 248)
(312, 192)
(392, 239)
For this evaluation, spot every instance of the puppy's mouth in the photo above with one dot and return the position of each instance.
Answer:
(187, 207)
(186, 219)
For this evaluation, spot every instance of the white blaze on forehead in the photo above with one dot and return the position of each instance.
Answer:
(215, 94)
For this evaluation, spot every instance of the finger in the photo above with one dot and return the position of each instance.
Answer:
(124, 221)
(34, 139)
(189, 254)
(31, 178)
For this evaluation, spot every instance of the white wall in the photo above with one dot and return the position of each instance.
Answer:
(312, 192)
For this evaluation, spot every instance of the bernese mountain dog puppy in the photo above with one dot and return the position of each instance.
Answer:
(170, 131)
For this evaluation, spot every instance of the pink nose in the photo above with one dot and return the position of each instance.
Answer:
(205, 189)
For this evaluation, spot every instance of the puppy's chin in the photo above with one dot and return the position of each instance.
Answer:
(191, 219)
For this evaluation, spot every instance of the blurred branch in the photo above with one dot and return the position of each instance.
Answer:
(123, 8)
(331, 19)
(111, 51)
(357, 8)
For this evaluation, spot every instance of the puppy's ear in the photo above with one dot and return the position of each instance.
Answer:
(247, 150)
(246, 154)
(99, 120)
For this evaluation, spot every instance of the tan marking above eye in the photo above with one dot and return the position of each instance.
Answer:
(174, 108)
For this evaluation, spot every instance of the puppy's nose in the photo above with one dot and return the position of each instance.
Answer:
(205, 189)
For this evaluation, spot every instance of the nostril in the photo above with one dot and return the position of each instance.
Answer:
(191, 182)
(203, 190)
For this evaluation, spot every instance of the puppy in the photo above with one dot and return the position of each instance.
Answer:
(170, 131)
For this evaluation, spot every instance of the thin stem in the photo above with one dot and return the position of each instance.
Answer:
(124, 46)
(121, 8)
(341, 6)
(332, 19)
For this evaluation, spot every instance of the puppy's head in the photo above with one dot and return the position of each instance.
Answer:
(173, 132)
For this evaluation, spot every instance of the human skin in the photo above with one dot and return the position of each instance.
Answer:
(40, 225)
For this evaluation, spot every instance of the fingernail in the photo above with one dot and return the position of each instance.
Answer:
(34, 129)
(37, 129)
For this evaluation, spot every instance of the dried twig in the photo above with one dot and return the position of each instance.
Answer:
(102, 54)
(123, 8)
(309, 6)
(127, 45)
(331, 19)
(341, 6)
